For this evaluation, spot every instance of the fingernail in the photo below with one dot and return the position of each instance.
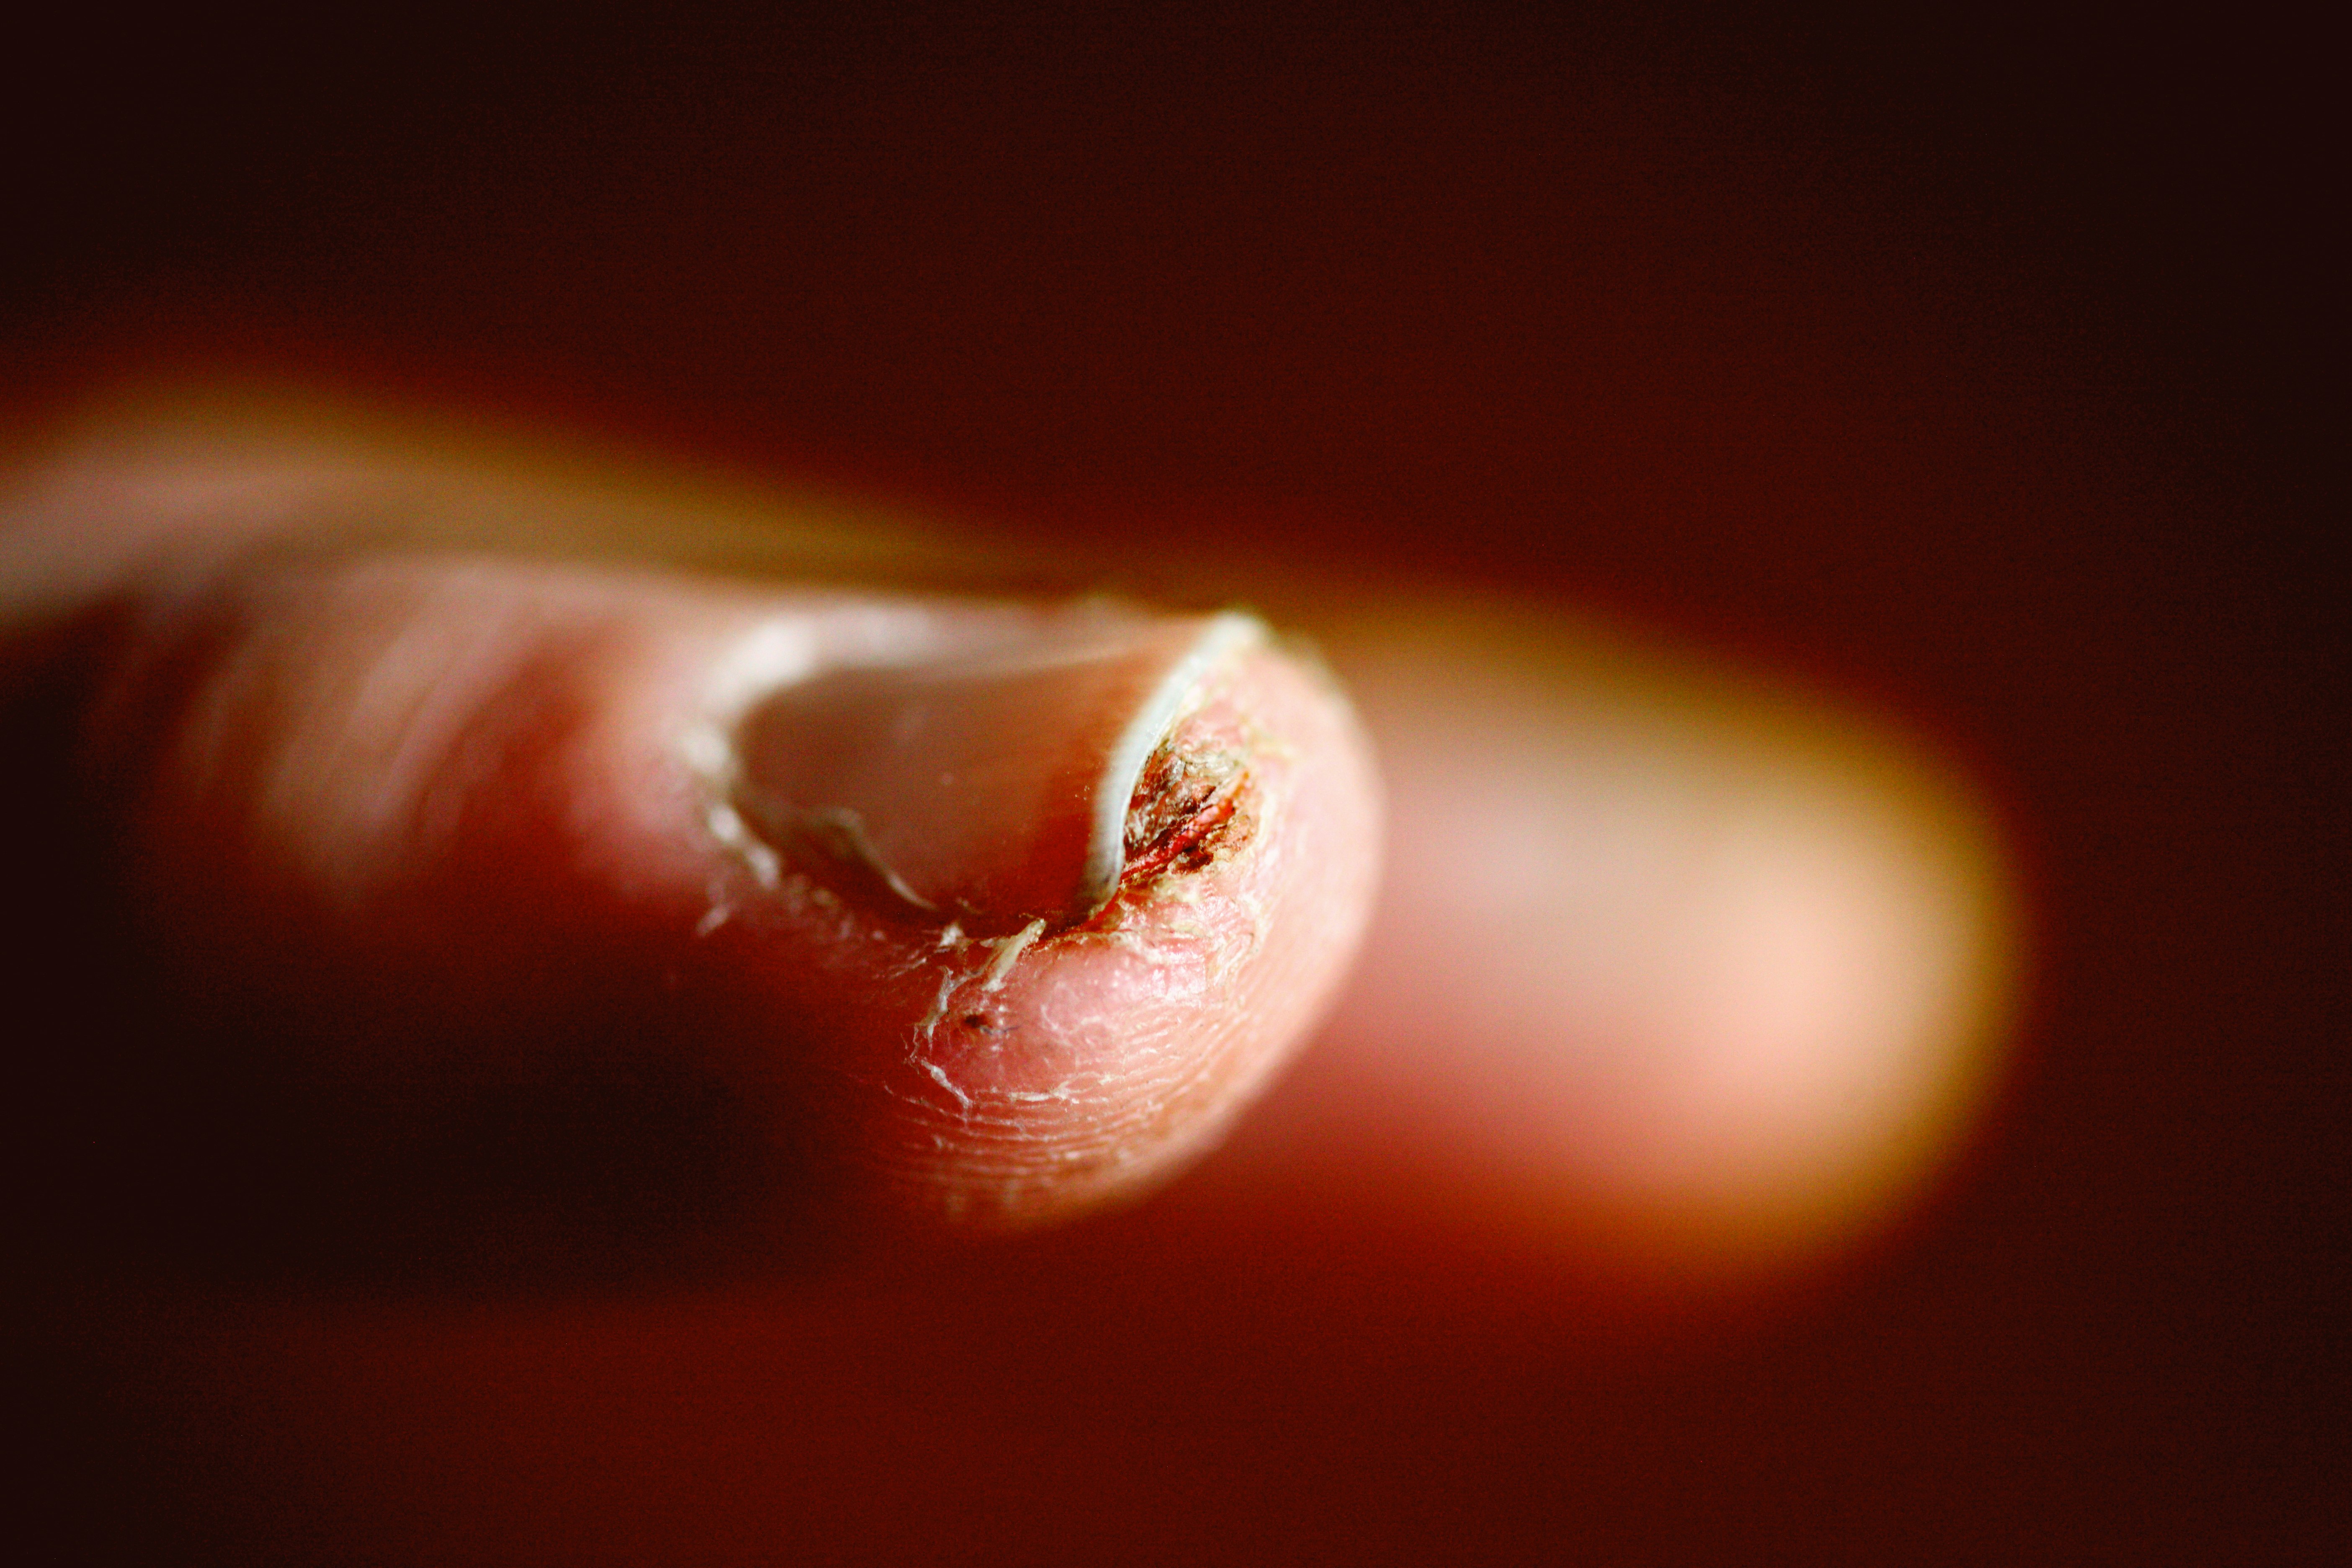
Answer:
(992, 787)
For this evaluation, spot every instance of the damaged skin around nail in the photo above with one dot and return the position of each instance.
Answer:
(991, 1079)
(1185, 811)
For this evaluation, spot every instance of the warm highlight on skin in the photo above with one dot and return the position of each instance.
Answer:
(602, 900)
(454, 801)
(1101, 1054)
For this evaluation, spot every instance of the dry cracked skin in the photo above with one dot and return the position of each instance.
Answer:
(1025, 1071)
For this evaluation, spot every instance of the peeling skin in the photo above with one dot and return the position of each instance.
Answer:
(1044, 1070)
(1008, 953)
(1183, 813)
(992, 787)
(949, 1084)
(1195, 812)
(888, 1061)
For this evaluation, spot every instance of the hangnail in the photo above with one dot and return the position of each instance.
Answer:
(992, 787)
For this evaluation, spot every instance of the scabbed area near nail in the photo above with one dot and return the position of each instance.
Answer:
(996, 1058)
(988, 788)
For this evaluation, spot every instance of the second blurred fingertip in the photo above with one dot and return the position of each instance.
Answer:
(1678, 982)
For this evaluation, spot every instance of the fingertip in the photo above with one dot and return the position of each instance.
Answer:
(1001, 1075)
(1670, 974)
(455, 906)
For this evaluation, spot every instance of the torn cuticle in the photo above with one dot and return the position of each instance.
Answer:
(1008, 953)
(1181, 812)
(914, 791)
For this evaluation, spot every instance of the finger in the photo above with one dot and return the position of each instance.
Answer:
(487, 890)
(1665, 961)
(1671, 968)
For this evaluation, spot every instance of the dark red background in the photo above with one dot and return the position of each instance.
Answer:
(1979, 365)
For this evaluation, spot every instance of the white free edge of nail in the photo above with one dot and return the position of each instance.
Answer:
(788, 648)
(1226, 634)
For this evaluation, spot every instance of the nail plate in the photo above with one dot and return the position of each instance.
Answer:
(992, 787)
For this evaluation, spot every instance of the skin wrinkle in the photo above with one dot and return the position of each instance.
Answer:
(574, 799)
(1106, 1051)
(361, 775)
(574, 851)
(1124, 1111)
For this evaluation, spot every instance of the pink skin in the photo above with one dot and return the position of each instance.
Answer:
(511, 842)
(409, 828)
(991, 1082)
(535, 887)
(1103, 1054)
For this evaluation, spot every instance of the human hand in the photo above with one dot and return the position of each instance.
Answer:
(438, 907)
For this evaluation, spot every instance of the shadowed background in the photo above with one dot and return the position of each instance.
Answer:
(1969, 365)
